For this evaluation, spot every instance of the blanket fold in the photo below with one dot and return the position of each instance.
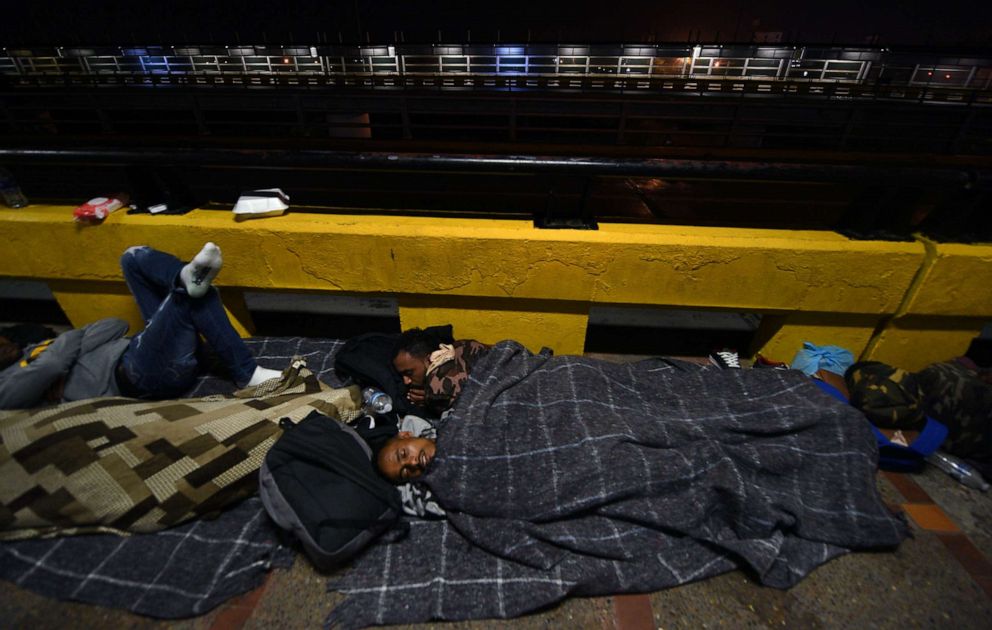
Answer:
(180, 571)
(118, 465)
(564, 475)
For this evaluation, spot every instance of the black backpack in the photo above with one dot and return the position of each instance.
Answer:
(319, 483)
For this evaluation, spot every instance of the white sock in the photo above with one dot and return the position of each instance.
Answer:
(197, 275)
(263, 374)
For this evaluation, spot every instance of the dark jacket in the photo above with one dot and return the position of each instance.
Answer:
(444, 382)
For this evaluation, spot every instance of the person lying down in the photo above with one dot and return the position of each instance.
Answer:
(178, 305)
(434, 374)
(573, 467)
(699, 451)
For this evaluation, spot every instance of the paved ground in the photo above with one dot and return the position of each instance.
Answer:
(939, 578)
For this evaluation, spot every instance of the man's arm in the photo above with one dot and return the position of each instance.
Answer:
(100, 332)
(24, 383)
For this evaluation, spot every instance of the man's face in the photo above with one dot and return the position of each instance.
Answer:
(412, 369)
(405, 457)
(10, 352)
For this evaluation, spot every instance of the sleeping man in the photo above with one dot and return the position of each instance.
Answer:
(179, 306)
(434, 374)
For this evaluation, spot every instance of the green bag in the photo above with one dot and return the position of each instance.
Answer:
(892, 398)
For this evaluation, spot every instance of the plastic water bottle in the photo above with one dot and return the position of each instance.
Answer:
(10, 191)
(958, 470)
(376, 400)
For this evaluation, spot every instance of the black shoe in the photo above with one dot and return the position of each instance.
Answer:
(761, 362)
(726, 359)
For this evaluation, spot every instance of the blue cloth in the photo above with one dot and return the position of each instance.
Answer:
(161, 361)
(830, 358)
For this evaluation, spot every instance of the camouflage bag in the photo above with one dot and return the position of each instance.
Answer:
(891, 398)
(892, 403)
(956, 396)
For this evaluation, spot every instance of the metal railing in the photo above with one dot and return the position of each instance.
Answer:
(847, 119)
(579, 166)
(869, 201)
(493, 66)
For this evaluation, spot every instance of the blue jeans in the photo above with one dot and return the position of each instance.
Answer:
(161, 361)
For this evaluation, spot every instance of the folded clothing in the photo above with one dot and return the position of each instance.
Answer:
(812, 358)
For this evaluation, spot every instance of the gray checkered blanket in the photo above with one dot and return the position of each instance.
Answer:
(179, 572)
(568, 476)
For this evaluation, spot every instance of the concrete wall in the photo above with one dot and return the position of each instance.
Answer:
(904, 303)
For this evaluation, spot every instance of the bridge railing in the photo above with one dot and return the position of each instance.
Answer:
(878, 203)
(481, 66)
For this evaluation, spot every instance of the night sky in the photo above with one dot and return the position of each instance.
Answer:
(887, 22)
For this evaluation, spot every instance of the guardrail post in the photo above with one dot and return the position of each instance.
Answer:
(85, 301)
(945, 307)
(534, 323)
(779, 336)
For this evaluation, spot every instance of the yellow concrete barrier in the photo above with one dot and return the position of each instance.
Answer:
(496, 279)
(947, 304)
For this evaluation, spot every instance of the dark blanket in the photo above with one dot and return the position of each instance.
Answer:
(568, 476)
(178, 572)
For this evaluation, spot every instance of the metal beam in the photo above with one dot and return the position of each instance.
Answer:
(525, 164)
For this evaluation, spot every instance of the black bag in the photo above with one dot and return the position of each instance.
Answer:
(318, 482)
(376, 430)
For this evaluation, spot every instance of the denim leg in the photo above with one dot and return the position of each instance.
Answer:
(150, 275)
(210, 320)
(160, 361)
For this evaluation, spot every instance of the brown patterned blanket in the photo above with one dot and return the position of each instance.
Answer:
(121, 465)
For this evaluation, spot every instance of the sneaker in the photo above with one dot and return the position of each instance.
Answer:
(726, 359)
(762, 362)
